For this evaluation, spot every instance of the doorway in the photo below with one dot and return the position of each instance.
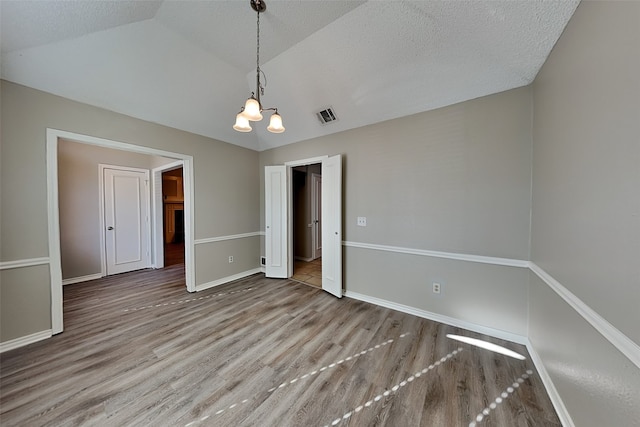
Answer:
(279, 259)
(306, 201)
(173, 216)
(53, 218)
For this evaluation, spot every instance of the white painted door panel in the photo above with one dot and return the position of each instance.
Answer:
(275, 190)
(126, 220)
(332, 225)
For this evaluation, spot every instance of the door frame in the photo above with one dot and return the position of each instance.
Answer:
(158, 211)
(289, 167)
(53, 218)
(103, 224)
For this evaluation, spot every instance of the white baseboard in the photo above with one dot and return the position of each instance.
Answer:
(497, 333)
(556, 400)
(80, 279)
(227, 279)
(299, 258)
(26, 340)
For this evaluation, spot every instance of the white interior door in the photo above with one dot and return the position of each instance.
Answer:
(332, 225)
(276, 252)
(126, 206)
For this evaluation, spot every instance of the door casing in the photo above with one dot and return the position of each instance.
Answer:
(53, 219)
(287, 202)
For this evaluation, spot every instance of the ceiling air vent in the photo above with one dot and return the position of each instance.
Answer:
(327, 115)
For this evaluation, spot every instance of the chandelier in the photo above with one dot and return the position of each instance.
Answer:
(252, 110)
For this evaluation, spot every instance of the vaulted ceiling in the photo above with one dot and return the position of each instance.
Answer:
(191, 64)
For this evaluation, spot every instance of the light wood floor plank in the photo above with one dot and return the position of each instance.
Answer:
(139, 350)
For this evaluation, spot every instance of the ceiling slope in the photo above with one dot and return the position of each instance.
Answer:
(191, 65)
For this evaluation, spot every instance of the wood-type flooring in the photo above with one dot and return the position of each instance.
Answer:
(138, 350)
(308, 272)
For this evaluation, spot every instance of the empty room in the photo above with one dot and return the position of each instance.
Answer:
(320, 213)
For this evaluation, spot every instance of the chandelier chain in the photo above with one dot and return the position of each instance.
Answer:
(259, 88)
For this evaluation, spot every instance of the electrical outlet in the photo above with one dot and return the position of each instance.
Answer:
(230, 259)
(362, 221)
(436, 287)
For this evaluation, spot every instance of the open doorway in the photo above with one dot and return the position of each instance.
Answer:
(53, 211)
(279, 257)
(173, 216)
(306, 192)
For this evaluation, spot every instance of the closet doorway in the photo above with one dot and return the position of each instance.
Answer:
(306, 183)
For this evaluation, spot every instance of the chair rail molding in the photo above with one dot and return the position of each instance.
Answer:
(20, 263)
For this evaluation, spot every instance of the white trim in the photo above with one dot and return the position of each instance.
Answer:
(227, 279)
(497, 333)
(610, 332)
(300, 258)
(230, 237)
(508, 262)
(81, 279)
(53, 220)
(305, 162)
(554, 396)
(19, 263)
(26, 340)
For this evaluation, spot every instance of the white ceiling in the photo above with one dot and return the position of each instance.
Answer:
(191, 64)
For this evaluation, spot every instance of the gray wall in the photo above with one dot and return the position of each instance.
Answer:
(456, 179)
(78, 199)
(586, 209)
(226, 195)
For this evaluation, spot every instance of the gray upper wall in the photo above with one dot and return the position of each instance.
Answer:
(220, 209)
(586, 162)
(78, 201)
(225, 184)
(456, 179)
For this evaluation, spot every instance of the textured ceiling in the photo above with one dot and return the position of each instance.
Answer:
(191, 64)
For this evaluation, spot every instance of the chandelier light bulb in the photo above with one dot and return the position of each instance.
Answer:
(275, 123)
(242, 123)
(252, 110)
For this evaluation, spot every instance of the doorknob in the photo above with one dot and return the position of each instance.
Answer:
(109, 228)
